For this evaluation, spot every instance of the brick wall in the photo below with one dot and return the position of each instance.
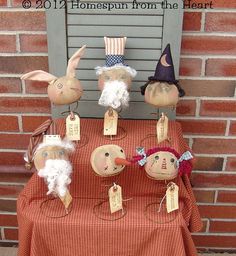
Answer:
(207, 113)
(208, 74)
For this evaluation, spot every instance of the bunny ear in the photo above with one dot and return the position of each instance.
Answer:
(74, 61)
(39, 75)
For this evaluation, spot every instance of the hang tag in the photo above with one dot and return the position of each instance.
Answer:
(51, 138)
(115, 198)
(73, 127)
(67, 199)
(172, 197)
(110, 122)
(162, 128)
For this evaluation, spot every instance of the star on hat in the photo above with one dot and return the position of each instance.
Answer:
(114, 49)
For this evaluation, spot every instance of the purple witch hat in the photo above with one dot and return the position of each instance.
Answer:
(165, 71)
(165, 68)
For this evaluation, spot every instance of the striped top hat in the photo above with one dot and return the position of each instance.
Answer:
(114, 49)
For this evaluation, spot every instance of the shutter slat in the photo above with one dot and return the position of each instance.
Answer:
(132, 43)
(117, 31)
(120, 20)
(131, 54)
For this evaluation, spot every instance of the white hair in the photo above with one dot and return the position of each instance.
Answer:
(56, 173)
(114, 94)
(131, 71)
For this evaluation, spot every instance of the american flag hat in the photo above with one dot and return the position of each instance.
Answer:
(114, 49)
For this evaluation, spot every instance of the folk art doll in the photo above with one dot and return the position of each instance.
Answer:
(162, 89)
(61, 90)
(114, 82)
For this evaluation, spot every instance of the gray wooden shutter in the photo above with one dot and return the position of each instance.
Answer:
(147, 31)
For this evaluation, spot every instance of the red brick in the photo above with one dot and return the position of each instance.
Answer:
(7, 205)
(231, 164)
(214, 146)
(36, 87)
(11, 234)
(192, 21)
(7, 43)
(14, 141)
(186, 108)
(232, 129)
(213, 180)
(10, 85)
(23, 21)
(218, 108)
(15, 176)
(203, 127)
(3, 2)
(222, 226)
(9, 124)
(18, 3)
(203, 196)
(22, 64)
(25, 105)
(30, 123)
(33, 43)
(214, 241)
(209, 163)
(10, 191)
(8, 220)
(220, 22)
(11, 158)
(204, 228)
(211, 88)
(217, 211)
(190, 67)
(221, 67)
(208, 45)
(226, 197)
(218, 3)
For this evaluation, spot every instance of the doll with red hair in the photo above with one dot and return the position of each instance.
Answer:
(164, 163)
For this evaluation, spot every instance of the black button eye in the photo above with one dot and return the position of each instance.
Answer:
(106, 154)
(121, 151)
(172, 160)
(156, 157)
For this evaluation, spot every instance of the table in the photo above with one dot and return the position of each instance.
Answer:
(81, 232)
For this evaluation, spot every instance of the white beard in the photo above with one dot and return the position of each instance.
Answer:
(56, 173)
(115, 95)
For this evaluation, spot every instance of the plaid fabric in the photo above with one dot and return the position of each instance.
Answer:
(81, 233)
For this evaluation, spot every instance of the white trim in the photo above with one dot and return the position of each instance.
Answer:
(13, 32)
(20, 123)
(25, 114)
(216, 189)
(208, 56)
(209, 98)
(227, 10)
(205, 34)
(18, 54)
(205, 118)
(208, 78)
(20, 9)
(203, 20)
(215, 172)
(21, 95)
(18, 43)
(131, 71)
(202, 136)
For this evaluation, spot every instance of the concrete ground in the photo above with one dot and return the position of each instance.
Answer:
(9, 251)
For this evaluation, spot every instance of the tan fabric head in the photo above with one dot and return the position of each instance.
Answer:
(108, 160)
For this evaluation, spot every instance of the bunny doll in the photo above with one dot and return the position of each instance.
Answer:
(63, 90)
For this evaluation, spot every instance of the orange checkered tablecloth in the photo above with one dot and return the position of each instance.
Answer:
(81, 232)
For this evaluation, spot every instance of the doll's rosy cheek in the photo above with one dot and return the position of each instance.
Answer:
(101, 83)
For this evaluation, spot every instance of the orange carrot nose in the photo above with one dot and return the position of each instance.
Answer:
(121, 161)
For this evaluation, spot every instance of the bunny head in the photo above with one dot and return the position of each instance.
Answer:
(63, 90)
